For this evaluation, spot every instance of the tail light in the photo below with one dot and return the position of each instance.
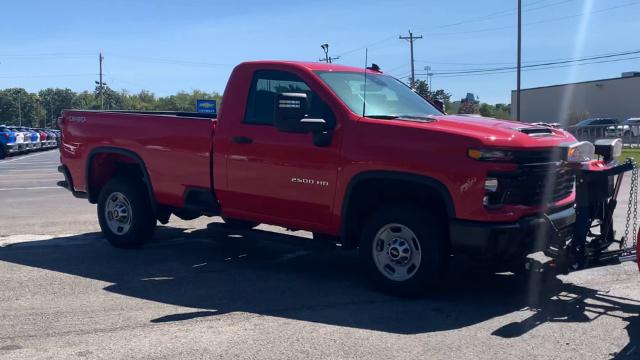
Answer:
(6, 135)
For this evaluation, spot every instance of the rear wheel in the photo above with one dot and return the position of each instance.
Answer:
(403, 249)
(125, 214)
(3, 152)
(237, 224)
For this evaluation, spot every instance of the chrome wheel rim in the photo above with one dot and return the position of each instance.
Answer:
(396, 252)
(118, 213)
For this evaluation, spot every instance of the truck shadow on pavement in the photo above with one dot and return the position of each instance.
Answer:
(218, 271)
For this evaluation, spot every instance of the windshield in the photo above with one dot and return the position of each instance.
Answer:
(385, 96)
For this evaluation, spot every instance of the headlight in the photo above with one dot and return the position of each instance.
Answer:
(490, 154)
(580, 152)
(609, 149)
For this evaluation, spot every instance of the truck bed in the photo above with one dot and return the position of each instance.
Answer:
(174, 147)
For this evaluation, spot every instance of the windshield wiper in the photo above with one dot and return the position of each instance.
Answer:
(411, 117)
(417, 117)
(386, 117)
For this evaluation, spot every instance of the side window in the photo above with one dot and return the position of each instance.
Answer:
(265, 88)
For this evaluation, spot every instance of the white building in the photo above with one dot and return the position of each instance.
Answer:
(568, 103)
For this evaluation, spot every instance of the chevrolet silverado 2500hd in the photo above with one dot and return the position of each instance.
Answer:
(350, 154)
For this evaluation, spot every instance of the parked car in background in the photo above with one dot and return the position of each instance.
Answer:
(630, 127)
(592, 129)
(28, 143)
(596, 122)
(8, 143)
(19, 139)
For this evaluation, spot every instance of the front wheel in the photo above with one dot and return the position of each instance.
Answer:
(404, 249)
(125, 214)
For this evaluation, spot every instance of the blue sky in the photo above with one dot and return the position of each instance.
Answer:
(166, 46)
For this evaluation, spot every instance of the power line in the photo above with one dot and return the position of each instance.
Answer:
(538, 68)
(171, 61)
(537, 22)
(539, 64)
(43, 76)
(500, 13)
(509, 63)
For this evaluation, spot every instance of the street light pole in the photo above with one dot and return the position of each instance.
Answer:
(519, 65)
(20, 108)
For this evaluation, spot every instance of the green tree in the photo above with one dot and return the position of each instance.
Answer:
(109, 98)
(421, 87)
(17, 106)
(85, 101)
(487, 110)
(53, 101)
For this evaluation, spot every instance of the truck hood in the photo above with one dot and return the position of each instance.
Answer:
(502, 133)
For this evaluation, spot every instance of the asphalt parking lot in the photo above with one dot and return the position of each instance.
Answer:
(200, 291)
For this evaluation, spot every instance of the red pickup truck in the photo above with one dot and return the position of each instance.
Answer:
(350, 154)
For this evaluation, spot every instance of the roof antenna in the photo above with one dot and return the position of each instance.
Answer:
(364, 95)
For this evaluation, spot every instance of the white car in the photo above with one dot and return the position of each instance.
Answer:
(630, 127)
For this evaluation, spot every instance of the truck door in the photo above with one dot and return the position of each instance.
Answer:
(275, 176)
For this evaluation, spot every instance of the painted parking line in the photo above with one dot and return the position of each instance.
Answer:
(28, 176)
(48, 162)
(30, 188)
(23, 157)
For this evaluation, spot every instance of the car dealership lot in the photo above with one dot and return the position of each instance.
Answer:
(201, 291)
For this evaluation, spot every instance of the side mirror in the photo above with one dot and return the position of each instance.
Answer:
(291, 109)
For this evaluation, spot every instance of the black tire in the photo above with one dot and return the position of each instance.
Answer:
(3, 152)
(236, 224)
(430, 234)
(143, 221)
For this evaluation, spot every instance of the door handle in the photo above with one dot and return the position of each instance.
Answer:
(242, 140)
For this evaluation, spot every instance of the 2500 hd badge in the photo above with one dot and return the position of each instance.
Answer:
(296, 180)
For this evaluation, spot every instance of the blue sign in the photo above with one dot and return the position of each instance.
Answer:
(206, 106)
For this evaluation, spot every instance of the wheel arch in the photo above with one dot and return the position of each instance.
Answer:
(390, 183)
(118, 159)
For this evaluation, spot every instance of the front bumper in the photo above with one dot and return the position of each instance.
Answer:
(12, 148)
(506, 240)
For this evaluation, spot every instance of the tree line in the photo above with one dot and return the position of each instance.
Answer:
(41, 109)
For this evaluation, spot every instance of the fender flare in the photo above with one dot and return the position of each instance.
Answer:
(429, 182)
(128, 153)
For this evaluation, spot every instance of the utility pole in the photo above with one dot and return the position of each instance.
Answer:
(429, 75)
(519, 65)
(411, 39)
(328, 59)
(100, 83)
